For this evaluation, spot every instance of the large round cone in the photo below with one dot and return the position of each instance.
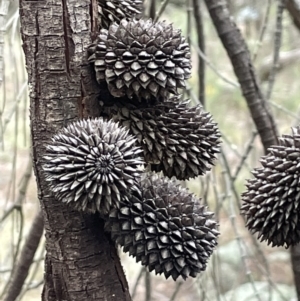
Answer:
(168, 231)
(179, 140)
(141, 58)
(115, 10)
(271, 202)
(92, 163)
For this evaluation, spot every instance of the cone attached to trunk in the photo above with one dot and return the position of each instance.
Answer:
(141, 58)
(179, 140)
(92, 163)
(111, 11)
(169, 231)
(271, 202)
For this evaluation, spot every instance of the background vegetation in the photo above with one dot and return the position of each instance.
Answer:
(241, 267)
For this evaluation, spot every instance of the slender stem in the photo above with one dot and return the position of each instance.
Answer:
(201, 45)
(26, 258)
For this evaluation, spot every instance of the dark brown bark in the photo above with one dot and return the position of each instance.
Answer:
(26, 258)
(81, 262)
(239, 55)
(294, 11)
(240, 58)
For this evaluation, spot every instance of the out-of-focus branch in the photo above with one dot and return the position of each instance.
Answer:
(4, 5)
(286, 59)
(277, 45)
(152, 10)
(22, 192)
(26, 258)
(239, 55)
(201, 45)
(294, 10)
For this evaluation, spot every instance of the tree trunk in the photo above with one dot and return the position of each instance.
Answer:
(81, 262)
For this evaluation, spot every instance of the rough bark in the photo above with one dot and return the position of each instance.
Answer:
(239, 55)
(240, 58)
(81, 262)
(26, 258)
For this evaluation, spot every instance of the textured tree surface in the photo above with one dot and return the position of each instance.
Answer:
(81, 262)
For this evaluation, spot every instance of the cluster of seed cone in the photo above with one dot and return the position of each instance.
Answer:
(141, 58)
(166, 229)
(179, 140)
(271, 204)
(92, 163)
(115, 10)
(95, 165)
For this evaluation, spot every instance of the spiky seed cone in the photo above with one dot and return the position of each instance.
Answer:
(271, 202)
(141, 58)
(115, 10)
(168, 231)
(179, 140)
(91, 163)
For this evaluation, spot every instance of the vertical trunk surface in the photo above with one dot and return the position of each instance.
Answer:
(81, 262)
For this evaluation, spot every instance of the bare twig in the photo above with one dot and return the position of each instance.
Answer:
(152, 10)
(161, 10)
(277, 45)
(263, 30)
(22, 191)
(22, 268)
(241, 61)
(178, 286)
(4, 5)
(201, 45)
(138, 279)
(148, 286)
(293, 8)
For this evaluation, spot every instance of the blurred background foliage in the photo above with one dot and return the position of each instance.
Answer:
(241, 267)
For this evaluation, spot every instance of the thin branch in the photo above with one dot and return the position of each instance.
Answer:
(152, 10)
(178, 286)
(147, 286)
(161, 10)
(22, 192)
(293, 8)
(4, 6)
(138, 279)
(277, 45)
(201, 45)
(232, 217)
(263, 30)
(241, 61)
(26, 258)
(247, 151)
(215, 69)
